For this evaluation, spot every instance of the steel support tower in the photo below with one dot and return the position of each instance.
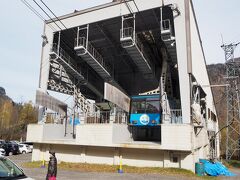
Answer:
(232, 93)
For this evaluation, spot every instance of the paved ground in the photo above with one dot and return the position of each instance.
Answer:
(40, 173)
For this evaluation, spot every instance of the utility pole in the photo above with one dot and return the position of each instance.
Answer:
(233, 106)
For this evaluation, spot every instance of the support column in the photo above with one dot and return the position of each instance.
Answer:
(116, 156)
(113, 115)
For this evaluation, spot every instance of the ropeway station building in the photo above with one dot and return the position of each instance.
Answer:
(137, 74)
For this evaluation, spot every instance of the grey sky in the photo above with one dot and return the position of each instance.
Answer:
(21, 30)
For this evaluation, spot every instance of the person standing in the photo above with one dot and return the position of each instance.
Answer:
(52, 167)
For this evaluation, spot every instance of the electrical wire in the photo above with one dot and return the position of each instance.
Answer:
(56, 16)
(214, 136)
(53, 14)
(31, 8)
(62, 40)
(42, 18)
(47, 15)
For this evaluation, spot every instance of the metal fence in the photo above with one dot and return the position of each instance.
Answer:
(176, 116)
(104, 117)
(126, 33)
(81, 41)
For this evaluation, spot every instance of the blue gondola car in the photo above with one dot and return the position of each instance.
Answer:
(145, 110)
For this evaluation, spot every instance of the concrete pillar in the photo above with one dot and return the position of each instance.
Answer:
(112, 115)
(82, 119)
(166, 159)
(83, 154)
(116, 156)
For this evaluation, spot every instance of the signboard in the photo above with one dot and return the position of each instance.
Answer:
(114, 95)
(50, 102)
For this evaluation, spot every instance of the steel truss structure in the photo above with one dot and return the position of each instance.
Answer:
(233, 106)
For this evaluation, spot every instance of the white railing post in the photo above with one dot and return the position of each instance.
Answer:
(59, 41)
(87, 36)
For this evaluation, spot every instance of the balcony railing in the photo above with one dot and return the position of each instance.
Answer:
(126, 33)
(63, 54)
(82, 42)
(176, 116)
(104, 117)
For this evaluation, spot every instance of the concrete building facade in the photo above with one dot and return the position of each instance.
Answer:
(169, 33)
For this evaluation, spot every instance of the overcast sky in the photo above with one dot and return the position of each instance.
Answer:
(21, 30)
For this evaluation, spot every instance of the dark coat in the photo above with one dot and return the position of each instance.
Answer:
(52, 167)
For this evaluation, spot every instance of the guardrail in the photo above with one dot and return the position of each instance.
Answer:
(63, 54)
(165, 25)
(126, 32)
(176, 116)
(81, 41)
(104, 117)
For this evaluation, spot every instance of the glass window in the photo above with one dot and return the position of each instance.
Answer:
(146, 105)
(152, 106)
(9, 170)
(138, 107)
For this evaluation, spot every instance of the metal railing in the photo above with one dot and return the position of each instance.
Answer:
(127, 33)
(63, 54)
(176, 116)
(104, 117)
(95, 54)
(166, 30)
(165, 25)
(81, 41)
(97, 117)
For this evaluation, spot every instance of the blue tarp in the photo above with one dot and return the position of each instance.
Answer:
(215, 169)
(76, 122)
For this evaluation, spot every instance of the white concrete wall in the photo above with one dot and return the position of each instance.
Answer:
(121, 134)
(198, 62)
(142, 158)
(45, 64)
(53, 131)
(41, 132)
(200, 138)
(94, 134)
(34, 133)
(181, 46)
(111, 156)
(176, 137)
(187, 161)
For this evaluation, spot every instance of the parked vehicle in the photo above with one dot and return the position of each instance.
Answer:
(2, 152)
(14, 142)
(10, 148)
(28, 143)
(2, 141)
(10, 171)
(24, 148)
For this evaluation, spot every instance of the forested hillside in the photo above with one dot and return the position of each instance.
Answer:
(217, 72)
(14, 117)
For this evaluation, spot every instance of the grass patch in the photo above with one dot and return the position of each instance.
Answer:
(232, 163)
(85, 167)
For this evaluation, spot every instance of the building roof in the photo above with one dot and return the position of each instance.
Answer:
(76, 12)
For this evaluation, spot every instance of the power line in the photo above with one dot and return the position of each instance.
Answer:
(31, 8)
(53, 14)
(47, 15)
(56, 16)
